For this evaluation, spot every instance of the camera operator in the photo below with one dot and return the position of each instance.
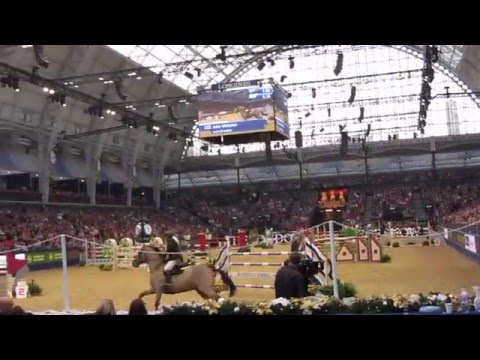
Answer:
(290, 280)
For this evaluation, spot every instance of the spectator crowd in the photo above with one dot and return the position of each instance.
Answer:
(219, 210)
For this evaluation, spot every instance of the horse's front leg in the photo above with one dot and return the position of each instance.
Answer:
(158, 295)
(146, 292)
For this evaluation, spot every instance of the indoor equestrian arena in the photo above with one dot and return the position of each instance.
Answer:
(300, 179)
(413, 269)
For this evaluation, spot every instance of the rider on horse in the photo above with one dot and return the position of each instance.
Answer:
(174, 258)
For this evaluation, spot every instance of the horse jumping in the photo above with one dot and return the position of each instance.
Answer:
(199, 278)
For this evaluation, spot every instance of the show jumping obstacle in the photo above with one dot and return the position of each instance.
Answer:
(6, 280)
(12, 264)
(206, 240)
(120, 256)
(355, 248)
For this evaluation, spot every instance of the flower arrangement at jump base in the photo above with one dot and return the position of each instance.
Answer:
(318, 305)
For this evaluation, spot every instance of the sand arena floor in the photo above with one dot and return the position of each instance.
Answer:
(412, 270)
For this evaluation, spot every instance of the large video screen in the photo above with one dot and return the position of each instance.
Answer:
(333, 198)
(245, 110)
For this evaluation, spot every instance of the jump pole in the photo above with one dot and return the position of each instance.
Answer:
(66, 291)
(333, 259)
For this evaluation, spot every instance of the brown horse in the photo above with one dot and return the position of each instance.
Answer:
(248, 113)
(200, 278)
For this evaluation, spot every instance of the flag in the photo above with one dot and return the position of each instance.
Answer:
(313, 253)
(221, 261)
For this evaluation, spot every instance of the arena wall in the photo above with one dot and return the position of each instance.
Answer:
(461, 249)
(43, 260)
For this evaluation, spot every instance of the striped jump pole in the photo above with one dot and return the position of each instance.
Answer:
(252, 274)
(254, 264)
(260, 253)
(251, 286)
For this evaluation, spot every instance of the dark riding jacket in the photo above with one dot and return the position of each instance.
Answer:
(173, 247)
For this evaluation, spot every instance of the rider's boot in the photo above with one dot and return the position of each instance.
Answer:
(168, 277)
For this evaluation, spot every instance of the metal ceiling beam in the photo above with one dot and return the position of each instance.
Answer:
(121, 127)
(26, 76)
(104, 73)
(92, 132)
(209, 61)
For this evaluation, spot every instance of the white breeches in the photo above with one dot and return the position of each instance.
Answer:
(170, 265)
(269, 241)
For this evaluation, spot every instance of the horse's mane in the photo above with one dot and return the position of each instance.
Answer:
(157, 250)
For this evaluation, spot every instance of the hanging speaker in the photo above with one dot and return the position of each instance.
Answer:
(298, 139)
(344, 144)
(353, 92)
(40, 57)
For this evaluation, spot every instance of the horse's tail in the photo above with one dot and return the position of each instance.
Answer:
(228, 281)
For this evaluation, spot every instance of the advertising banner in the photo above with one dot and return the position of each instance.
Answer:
(51, 259)
(470, 243)
(43, 257)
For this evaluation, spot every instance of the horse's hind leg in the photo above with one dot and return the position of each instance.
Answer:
(208, 293)
(203, 294)
(146, 292)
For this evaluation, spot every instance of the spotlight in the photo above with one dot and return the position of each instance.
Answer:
(314, 93)
(282, 79)
(199, 72)
(289, 95)
(189, 75)
(271, 61)
(307, 114)
(160, 77)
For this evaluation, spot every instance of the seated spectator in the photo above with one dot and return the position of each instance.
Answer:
(137, 307)
(106, 307)
(6, 306)
(17, 310)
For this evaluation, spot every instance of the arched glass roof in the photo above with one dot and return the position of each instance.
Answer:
(387, 81)
(158, 56)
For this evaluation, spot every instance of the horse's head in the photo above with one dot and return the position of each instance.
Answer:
(146, 254)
